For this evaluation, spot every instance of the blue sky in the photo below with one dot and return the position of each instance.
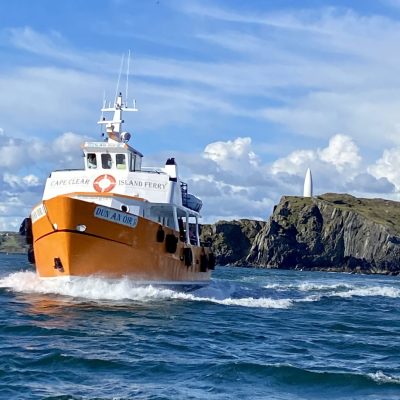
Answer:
(245, 94)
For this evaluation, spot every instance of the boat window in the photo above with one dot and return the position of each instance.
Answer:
(133, 160)
(182, 231)
(120, 161)
(91, 160)
(138, 163)
(106, 161)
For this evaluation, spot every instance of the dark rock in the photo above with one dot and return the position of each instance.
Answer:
(331, 232)
(231, 240)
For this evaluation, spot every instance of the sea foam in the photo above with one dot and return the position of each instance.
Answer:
(342, 290)
(100, 289)
(308, 286)
(385, 291)
(380, 377)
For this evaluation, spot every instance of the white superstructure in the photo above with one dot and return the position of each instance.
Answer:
(114, 167)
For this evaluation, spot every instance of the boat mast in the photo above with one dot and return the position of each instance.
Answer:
(113, 126)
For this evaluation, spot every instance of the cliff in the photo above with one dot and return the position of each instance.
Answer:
(332, 232)
(231, 240)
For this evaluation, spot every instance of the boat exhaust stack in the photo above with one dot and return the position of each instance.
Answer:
(171, 168)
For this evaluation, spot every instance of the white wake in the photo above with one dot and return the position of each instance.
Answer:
(98, 289)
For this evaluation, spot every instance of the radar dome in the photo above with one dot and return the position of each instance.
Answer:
(125, 136)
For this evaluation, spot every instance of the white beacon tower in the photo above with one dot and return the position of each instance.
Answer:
(308, 184)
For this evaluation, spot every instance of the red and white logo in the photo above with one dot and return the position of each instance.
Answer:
(104, 183)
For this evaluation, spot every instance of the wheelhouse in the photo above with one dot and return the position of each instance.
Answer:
(120, 157)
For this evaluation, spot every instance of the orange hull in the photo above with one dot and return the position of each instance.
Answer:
(110, 249)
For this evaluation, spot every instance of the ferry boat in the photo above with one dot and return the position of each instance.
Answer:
(116, 218)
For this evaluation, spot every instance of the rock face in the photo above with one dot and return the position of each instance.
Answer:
(231, 240)
(331, 232)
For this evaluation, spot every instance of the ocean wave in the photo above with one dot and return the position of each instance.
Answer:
(342, 290)
(283, 373)
(100, 289)
(262, 302)
(389, 292)
(384, 291)
(309, 286)
(381, 378)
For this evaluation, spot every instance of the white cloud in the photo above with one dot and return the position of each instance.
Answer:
(388, 166)
(24, 182)
(233, 155)
(231, 184)
(19, 190)
(11, 154)
(342, 152)
(295, 162)
(18, 154)
(67, 142)
(66, 149)
(17, 200)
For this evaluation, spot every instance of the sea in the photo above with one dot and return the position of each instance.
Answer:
(251, 334)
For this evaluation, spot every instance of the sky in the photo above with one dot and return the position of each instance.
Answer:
(246, 95)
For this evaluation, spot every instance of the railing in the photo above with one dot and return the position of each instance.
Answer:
(152, 170)
(68, 169)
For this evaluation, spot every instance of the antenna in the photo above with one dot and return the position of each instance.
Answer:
(127, 76)
(113, 125)
(119, 77)
(102, 112)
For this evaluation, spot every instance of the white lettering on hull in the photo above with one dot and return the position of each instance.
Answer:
(142, 184)
(72, 181)
(121, 182)
(38, 212)
(118, 217)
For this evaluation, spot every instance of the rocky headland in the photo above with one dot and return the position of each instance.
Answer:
(332, 232)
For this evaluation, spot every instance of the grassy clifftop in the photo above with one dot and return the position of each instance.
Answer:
(380, 211)
(12, 242)
(384, 212)
(331, 232)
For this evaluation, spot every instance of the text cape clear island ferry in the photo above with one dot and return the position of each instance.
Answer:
(115, 218)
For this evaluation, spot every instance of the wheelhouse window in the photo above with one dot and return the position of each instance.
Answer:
(106, 161)
(133, 161)
(120, 161)
(91, 160)
(138, 163)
